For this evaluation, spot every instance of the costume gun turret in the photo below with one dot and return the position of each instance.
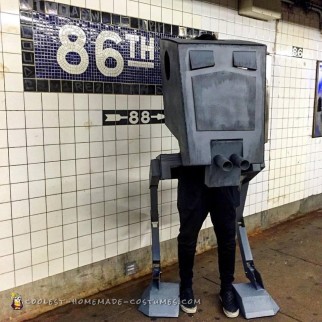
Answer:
(214, 94)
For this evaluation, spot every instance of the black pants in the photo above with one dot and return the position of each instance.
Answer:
(195, 201)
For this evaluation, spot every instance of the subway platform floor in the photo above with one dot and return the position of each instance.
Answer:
(288, 256)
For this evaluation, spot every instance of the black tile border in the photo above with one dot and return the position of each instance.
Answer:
(67, 86)
(31, 84)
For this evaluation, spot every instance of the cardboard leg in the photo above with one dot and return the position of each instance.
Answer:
(159, 299)
(254, 303)
(162, 301)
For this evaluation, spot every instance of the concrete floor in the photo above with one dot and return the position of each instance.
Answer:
(288, 256)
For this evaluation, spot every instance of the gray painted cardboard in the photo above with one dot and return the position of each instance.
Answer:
(214, 90)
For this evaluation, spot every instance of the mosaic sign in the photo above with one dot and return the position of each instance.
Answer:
(132, 117)
(297, 52)
(72, 49)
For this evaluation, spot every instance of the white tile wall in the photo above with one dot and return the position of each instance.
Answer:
(73, 192)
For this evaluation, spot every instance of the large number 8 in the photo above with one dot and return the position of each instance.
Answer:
(145, 117)
(76, 46)
(134, 117)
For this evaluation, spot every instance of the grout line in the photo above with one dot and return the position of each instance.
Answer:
(297, 257)
(61, 182)
(291, 317)
(25, 130)
(9, 186)
(90, 179)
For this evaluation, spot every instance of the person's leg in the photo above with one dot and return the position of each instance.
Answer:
(192, 213)
(223, 216)
(224, 201)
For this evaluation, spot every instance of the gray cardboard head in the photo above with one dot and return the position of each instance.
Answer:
(214, 95)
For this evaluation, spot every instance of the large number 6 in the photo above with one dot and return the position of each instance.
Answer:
(103, 54)
(76, 46)
(300, 52)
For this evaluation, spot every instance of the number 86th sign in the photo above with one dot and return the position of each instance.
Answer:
(73, 40)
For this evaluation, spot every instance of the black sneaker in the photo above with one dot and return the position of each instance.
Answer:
(187, 301)
(229, 303)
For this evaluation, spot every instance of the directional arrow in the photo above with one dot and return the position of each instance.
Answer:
(114, 117)
(159, 116)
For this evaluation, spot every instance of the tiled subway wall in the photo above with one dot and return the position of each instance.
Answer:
(74, 170)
